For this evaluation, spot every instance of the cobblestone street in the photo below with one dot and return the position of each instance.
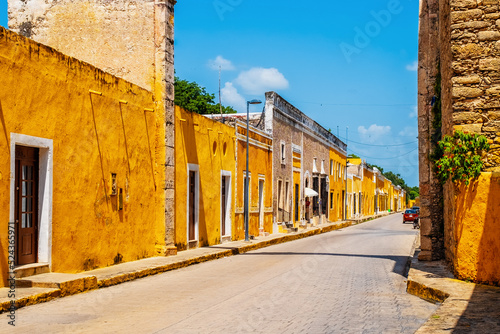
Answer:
(346, 281)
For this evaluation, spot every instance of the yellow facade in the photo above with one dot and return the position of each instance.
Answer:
(349, 198)
(261, 182)
(356, 191)
(368, 190)
(337, 185)
(476, 230)
(85, 141)
(204, 149)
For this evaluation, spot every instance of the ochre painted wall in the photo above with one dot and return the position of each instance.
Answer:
(260, 166)
(337, 184)
(368, 187)
(45, 94)
(477, 227)
(209, 145)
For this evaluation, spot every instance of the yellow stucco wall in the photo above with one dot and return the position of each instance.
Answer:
(356, 190)
(211, 146)
(477, 230)
(260, 167)
(337, 184)
(349, 197)
(368, 193)
(45, 94)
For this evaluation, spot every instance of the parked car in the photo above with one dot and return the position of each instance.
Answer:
(410, 215)
(416, 208)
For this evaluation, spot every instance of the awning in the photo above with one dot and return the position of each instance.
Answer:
(308, 192)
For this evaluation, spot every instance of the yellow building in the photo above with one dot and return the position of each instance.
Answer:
(368, 190)
(260, 181)
(204, 175)
(82, 172)
(337, 184)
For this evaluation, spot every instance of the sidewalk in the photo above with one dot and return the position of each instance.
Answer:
(44, 287)
(465, 308)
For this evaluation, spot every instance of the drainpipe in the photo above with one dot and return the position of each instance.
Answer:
(345, 172)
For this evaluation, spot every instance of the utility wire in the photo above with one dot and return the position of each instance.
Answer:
(355, 104)
(413, 142)
(402, 155)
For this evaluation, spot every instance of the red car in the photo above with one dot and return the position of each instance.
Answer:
(410, 215)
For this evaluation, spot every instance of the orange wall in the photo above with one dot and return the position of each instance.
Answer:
(337, 184)
(477, 230)
(45, 94)
(368, 187)
(260, 167)
(209, 145)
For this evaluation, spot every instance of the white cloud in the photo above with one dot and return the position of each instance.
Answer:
(259, 80)
(414, 112)
(412, 67)
(222, 63)
(231, 97)
(374, 132)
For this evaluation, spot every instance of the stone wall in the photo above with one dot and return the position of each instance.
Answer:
(463, 38)
(116, 36)
(291, 127)
(431, 194)
(475, 49)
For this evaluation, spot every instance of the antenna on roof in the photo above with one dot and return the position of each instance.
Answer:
(220, 99)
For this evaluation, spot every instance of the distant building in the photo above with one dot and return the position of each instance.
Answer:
(305, 157)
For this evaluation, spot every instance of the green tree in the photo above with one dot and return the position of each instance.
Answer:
(414, 193)
(396, 179)
(378, 167)
(193, 97)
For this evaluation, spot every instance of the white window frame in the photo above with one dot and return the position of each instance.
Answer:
(283, 152)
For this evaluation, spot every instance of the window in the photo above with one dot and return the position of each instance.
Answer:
(331, 167)
(354, 204)
(331, 200)
(280, 205)
(286, 196)
(283, 152)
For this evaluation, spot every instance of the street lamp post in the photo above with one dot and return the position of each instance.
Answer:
(246, 176)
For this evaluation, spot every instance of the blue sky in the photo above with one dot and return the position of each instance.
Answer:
(345, 64)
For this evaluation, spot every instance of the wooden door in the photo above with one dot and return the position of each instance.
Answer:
(26, 204)
(192, 193)
(223, 205)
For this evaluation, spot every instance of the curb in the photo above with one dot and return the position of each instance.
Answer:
(76, 287)
(425, 292)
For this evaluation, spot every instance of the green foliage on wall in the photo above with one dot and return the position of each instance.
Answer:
(461, 159)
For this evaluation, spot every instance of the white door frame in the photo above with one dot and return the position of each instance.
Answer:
(226, 214)
(193, 168)
(46, 153)
(261, 200)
